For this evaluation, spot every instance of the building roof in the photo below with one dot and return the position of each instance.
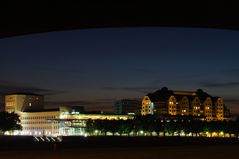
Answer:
(24, 93)
(202, 95)
(160, 95)
(43, 110)
(190, 93)
(214, 99)
(164, 93)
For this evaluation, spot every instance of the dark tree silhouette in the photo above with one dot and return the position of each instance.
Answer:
(9, 122)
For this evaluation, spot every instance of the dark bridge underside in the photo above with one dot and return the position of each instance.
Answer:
(21, 19)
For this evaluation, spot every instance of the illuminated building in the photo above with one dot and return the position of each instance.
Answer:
(30, 108)
(20, 102)
(207, 105)
(147, 106)
(219, 108)
(73, 123)
(184, 103)
(37, 123)
(66, 120)
(196, 108)
(172, 105)
(126, 106)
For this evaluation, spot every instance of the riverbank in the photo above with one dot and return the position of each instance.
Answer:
(159, 152)
(69, 142)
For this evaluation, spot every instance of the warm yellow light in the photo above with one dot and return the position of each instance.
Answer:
(214, 134)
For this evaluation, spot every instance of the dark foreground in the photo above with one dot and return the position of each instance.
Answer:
(120, 148)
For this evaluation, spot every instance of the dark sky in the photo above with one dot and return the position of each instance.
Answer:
(95, 66)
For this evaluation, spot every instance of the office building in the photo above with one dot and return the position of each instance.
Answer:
(20, 102)
(63, 121)
(126, 106)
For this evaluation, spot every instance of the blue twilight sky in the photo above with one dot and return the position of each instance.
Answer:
(93, 67)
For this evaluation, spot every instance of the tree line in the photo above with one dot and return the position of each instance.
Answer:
(153, 125)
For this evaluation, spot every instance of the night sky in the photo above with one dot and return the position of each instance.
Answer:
(94, 67)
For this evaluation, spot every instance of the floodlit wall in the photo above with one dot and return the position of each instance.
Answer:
(40, 123)
(208, 109)
(147, 106)
(219, 109)
(23, 102)
(196, 107)
(172, 105)
(183, 106)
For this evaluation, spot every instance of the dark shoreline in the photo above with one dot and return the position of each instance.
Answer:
(70, 142)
